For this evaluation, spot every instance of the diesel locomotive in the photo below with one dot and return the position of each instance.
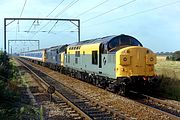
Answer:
(119, 63)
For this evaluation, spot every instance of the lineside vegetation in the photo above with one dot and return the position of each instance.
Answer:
(11, 105)
(169, 73)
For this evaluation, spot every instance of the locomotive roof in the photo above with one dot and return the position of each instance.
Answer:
(51, 48)
(103, 40)
(93, 41)
(55, 47)
(38, 50)
(59, 48)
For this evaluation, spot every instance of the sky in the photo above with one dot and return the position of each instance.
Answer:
(155, 23)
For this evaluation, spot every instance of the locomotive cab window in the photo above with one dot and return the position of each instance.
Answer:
(121, 42)
(94, 57)
(77, 54)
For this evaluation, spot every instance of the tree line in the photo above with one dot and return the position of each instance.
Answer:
(174, 56)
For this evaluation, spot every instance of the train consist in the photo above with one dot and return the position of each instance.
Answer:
(118, 63)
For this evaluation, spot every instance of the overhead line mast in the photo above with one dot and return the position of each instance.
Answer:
(37, 19)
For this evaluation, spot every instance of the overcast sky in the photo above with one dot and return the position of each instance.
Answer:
(155, 23)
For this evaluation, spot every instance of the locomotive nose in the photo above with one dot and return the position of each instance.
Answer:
(136, 61)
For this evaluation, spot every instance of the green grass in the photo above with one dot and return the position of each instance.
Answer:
(169, 74)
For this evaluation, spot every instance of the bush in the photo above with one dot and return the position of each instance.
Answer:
(176, 56)
(11, 107)
(168, 58)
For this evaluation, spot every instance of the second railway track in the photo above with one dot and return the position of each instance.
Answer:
(169, 109)
(82, 105)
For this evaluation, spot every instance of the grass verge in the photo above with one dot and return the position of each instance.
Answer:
(169, 74)
(11, 105)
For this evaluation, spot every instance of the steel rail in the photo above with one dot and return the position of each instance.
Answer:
(87, 108)
(157, 104)
(46, 85)
(165, 106)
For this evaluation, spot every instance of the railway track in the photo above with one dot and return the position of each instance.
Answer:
(161, 105)
(158, 105)
(165, 107)
(78, 105)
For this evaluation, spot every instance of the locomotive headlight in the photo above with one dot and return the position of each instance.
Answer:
(124, 59)
(151, 59)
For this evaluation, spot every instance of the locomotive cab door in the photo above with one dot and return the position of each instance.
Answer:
(56, 56)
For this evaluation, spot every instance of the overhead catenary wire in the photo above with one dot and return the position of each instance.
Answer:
(137, 13)
(21, 14)
(101, 13)
(49, 15)
(149, 10)
(55, 8)
(92, 8)
(53, 27)
(31, 26)
(108, 11)
(67, 7)
(23, 8)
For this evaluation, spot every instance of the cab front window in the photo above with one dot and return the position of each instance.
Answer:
(121, 42)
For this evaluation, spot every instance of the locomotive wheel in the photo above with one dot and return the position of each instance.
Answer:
(122, 89)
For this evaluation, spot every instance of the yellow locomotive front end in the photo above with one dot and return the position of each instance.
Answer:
(135, 61)
(135, 69)
(134, 66)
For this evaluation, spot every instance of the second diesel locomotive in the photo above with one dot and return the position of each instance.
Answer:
(119, 63)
